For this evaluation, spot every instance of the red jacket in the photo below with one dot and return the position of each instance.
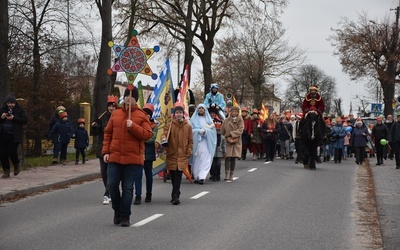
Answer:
(315, 101)
(126, 145)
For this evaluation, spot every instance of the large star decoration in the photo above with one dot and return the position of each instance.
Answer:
(132, 59)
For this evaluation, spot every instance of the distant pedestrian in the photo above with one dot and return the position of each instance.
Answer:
(177, 138)
(358, 140)
(256, 146)
(149, 158)
(387, 151)
(379, 132)
(61, 134)
(220, 150)
(247, 131)
(232, 129)
(123, 150)
(394, 139)
(338, 134)
(81, 141)
(270, 130)
(98, 126)
(13, 117)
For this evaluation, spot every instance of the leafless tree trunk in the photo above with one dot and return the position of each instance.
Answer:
(4, 46)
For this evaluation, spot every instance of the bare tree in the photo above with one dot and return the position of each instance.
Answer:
(301, 80)
(255, 55)
(4, 46)
(368, 49)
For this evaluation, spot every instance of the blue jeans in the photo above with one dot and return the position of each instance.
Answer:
(148, 171)
(126, 174)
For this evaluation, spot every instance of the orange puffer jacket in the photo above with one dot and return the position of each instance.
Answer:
(126, 145)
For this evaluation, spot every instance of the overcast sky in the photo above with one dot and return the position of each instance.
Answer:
(308, 24)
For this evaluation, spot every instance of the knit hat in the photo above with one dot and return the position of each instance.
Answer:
(63, 114)
(149, 109)
(60, 108)
(235, 108)
(11, 98)
(80, 120)
(178, 107)
(135, 93)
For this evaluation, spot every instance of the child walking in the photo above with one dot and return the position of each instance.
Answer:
(81, 141)
(177, 137)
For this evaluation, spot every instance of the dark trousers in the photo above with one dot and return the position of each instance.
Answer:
(379, 152)
(360, 154)
(396, 152)
(269, 149)
(60, 148)
(215, 170)
(8, 150)
(338, 154)
(230, 164)
(176, 179)
(148, 172)
(103, 172)
(80, 151)
(299, 150)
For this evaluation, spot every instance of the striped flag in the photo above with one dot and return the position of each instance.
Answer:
(182, 98)
(234, 102)
(262, 112)
(163, 100)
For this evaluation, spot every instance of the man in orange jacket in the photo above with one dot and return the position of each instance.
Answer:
(123, 150)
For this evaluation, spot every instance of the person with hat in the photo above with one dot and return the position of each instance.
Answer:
(149, 157)
(81, 141)
(98, 126)
(13, 117)
(61, 134)
(123, 149)
(394, 140)
(379, 132)
(247, 130)
(232, 129)
(358, 140)
(54, 119)
(338, 133)
(204, 143)
(214, 99)
(220, 149)
(256, 138)
(177, 138)
(313, 99)
(270, 130)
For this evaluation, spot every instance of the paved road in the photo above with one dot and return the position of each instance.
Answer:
(386, 181)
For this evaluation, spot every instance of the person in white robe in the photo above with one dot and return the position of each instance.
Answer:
(204, 143)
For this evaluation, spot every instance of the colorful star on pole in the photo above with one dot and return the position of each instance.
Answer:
(132, 59)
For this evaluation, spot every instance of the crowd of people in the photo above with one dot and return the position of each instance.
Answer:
(126, 145)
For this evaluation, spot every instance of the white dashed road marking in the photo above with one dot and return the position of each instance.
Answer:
(147, 220)
(252, 170)
(199, 195)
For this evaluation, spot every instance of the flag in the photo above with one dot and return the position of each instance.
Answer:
(234, 102)
(183, 91)
(262, 112)
(141, 97)
(163, 100)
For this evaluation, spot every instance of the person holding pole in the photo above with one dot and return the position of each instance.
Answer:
(123, 149)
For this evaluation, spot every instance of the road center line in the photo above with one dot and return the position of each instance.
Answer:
(252, 170)
(147, 220)
(199, 195)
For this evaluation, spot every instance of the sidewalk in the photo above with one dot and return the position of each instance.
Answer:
(386, 181)
(45, 178)
(387, 190)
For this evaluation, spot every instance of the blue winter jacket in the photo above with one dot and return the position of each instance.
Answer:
(338, 132)
(62, 132)
(81, 138)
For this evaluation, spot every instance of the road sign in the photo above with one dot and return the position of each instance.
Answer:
(376, 108)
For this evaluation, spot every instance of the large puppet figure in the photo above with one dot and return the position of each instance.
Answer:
(215, 100)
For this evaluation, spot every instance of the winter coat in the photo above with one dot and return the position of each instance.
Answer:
(247, 129)
(150, 144)
(379, 132)
(286, 130)
(338, 132)
(98, 126)
(81, 138)
(126, 145)
(220, 150)
(233, 128)
(394, 134)
(357, 138)
(20, 119)
(180, 144)
(61, 132)
(257, 136)
(217, 99)
(53, 121)
(270, 135)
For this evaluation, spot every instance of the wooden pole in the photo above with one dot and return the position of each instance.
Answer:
(130, 104)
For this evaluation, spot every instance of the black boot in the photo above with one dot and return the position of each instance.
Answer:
(148, 197)
(83, 161)
(76, 161)
(16, 169)
(6, 174)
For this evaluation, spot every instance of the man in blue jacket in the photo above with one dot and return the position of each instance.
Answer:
(394, 139)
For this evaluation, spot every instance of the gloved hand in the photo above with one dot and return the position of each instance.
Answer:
(202, 131)
(164, 142)
(217, 107)
(212, 105)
